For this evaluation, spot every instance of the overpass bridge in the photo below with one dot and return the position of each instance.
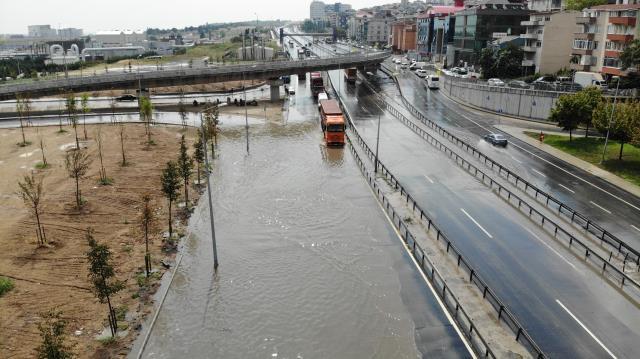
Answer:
(178, 77)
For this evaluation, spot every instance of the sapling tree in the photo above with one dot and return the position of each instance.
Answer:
(52, 332)
(31, 192)
(72, 110)
(185, 169)
(112, 106)
(102, 276)
(182, 110)
(170, 186)
(211, 125)
(123, 136)
(198, 153)
(77, 163)
(21, 112)
(146, 113)
(44, 163)
(147, 217)
(103, 173)
(84, 103)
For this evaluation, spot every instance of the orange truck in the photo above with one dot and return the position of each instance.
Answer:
(351, 74)
(332, 122)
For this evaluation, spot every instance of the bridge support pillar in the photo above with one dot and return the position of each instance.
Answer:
(274, 87)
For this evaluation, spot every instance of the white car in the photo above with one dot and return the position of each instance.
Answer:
(404, 64)
(421, 73)
(433, 82)
(495, 82)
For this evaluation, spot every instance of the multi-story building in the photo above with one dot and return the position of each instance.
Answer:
(69, 33)
(435, 30)
(371, 28)
(317, 11)
(403, 35)
(605, 31)
(548, 41)
(119, 38)
(477, 23)
(42, 31)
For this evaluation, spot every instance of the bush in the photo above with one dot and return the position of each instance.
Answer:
(6, 284)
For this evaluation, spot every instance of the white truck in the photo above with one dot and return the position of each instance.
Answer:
(585, 79)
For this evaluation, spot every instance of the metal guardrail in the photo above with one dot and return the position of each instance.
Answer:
(575, 244)
(504, 314)
(593, 228)
(247, 70)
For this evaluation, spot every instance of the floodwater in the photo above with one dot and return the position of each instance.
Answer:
(309, 266)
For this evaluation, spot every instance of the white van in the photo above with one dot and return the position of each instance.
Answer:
(433, 82)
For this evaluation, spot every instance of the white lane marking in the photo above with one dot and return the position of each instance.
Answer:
(538, 172)
(428, 179)
(433, 291)
(549, 162)
(477, 224)
(599, 206)
(586, 329)
(636, 228)
(551, 248)
(515, 159)
(567, 188)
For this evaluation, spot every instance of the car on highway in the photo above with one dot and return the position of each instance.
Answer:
(518, 84)
(127, 97)
(496, 139)
(495, 82)
(433, 82)
(421, 73)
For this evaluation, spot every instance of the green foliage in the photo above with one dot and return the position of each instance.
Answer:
(580, 5)
(42, 165)
(52, 331)
(630, 57)
(624, 125)
(504, 63)
(146, 116)
(6, 284)
(170, 181)
(314, 26)
(574, 109)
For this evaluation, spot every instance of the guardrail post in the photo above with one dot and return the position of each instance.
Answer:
(500, 311)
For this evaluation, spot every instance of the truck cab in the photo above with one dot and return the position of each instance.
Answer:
(332, 122)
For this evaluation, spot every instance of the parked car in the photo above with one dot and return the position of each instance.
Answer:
(127, 97)
(495, 82)
(496, 139)
(519, 84)
(544, 83)
(421, 73)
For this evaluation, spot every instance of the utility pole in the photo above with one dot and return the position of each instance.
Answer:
(246, 115)
(613, 109)
(377, 142)
(213, 227)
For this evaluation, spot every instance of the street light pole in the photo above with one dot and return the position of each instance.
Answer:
(246, 115)
(213, 227)
(377, 143)
(613, 109)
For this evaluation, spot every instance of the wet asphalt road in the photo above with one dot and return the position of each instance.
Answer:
(553, 293)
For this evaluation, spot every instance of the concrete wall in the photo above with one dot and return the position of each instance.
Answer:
(514, 102)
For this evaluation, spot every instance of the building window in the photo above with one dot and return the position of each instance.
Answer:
(538, 43)
(611, 62)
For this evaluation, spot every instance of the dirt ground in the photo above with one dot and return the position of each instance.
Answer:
(55, 276)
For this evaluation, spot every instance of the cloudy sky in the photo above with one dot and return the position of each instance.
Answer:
(92, 15)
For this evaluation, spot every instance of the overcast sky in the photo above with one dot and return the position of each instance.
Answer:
(92, 15)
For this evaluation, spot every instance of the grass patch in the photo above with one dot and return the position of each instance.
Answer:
(106, 181)
(42, 166)
(6, 284)
(590, 150)
(108, 341)
(24, 144)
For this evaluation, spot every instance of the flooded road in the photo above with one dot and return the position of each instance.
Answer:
(309, 265)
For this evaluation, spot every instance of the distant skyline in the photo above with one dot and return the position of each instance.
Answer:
(91, 16)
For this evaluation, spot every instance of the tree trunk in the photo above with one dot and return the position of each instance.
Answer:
(186, 193)
(170, 226)
(621, 147)
(124, 160)
(41, 239)
(198, 166)
(586, 134)
(147, 256)
(24, 141)
(78, 192)
(84, 125)
(113, 322)
(75, 129)
(570, 136)
(60, 124)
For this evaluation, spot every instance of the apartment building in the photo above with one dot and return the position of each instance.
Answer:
(317, 11)
(372, 28)
(435, 30)
(403, 35)
(604, 32)
(548, 40)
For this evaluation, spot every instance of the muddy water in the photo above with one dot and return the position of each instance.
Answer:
(309, 267)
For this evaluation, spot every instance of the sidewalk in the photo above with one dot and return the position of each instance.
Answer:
(594, 170)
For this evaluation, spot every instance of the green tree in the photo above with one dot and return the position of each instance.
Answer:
(77, 163)
(566, 111)
(509, 61)
(104, 180)
(198, 153)
(70, 104)
(210, 125)
(84, 103)
(146, 113)
(624, 123)
(147, 218)
(630, 57)
(487, 62)
(20, 111)
(185, 169)
(580, 5)
(589, 97)
(52, 331)
(170, 180)
(102, 276)
(31, 193)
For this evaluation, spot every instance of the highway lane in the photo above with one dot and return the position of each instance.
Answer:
(613, 208)
(309, 265)
(520, 261)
